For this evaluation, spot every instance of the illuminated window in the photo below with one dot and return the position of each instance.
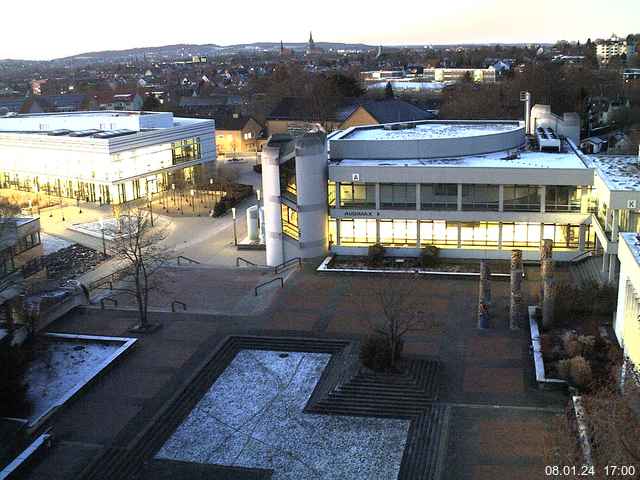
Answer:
(521, 198)
(522, 235)
(333, 237)
(288, 186)
(358, 231)
(479, 234)
(398, 196)
(331, 193)
(439, 196)
(438, 232)
(290, 222)
(185, 150)
(562, 198)
(480, 197)
(357, 195)
(399, 233)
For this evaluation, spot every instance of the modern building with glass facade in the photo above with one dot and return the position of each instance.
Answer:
(105, 156)
(473, 189)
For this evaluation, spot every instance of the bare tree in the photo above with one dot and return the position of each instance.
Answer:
(139, 247)
(402, 310)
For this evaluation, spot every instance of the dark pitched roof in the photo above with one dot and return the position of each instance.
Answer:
(231, 122)
(298, 108)
(394, 110)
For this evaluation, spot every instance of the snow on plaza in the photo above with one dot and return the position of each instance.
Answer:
(252, 417)
(59, 366)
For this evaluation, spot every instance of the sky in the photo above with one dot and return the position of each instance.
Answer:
(68, 27)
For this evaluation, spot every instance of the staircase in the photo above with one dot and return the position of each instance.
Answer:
(587, 271)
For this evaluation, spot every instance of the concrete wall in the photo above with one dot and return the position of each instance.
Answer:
(568, 125)
(272, 214)
(429, 147)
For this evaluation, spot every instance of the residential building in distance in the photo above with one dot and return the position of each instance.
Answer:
(237, 134)
(615, 47)
(478, 75)
(103, 156)
(292, 115)
(17, 235)
(474, 189)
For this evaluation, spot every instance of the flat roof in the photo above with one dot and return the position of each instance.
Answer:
(430, 130)
(633, 242)
(504, 159)
(619, 172)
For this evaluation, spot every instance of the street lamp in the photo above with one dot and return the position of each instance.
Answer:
(38, 197)
(258, 194)
(235, 233)
(104, 243)
(150, 199)
(193, 201)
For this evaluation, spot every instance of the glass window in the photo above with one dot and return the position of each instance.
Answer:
(333, 237)
(357, 231)
(331, 193)
(185, 150)
(439, 196)
(521, 198)
(438, 232)
(290, 222)
(522, 235)
(479, 234)
(562, 198)
(399, 233)
(398, 195)
(288, 186)
(357, 195)
(480, 197)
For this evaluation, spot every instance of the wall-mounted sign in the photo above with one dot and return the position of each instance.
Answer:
(360, 213)
(632, 204)
(355, 177)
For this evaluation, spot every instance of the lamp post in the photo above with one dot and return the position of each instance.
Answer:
(235, 233)
(193, 201)
(173, 193)
(258, 195)
(61, 207)
(211, 190)
(104, 243)
(150, 198)
(38, 197)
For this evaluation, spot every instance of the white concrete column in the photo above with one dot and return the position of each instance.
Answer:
(336, 241)
(459, 197)
(459, 235)
(543, 198)
(613, 267)
(337, 195)
(501, 205)
(272, 209)
(377, 196)
(615, 220)
(418, 197)
(377, 230)
(605, 264)
(499, 235)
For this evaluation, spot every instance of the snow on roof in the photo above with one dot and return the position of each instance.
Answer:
(432, 130)
(619, 172)
(525, 159)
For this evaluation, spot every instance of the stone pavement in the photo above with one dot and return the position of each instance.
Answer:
(498, 422)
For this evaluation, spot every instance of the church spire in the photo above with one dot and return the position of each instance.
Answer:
(312, 44)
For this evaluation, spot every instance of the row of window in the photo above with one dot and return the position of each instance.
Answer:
(185, 150)
(444, 196)
(290, 222)
(404, 233)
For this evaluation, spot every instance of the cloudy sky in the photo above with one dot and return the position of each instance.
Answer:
(43, 29)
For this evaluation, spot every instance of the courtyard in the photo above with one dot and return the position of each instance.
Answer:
(248, 420)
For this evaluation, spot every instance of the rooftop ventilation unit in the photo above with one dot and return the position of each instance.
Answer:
(547, 138)
(84, 133)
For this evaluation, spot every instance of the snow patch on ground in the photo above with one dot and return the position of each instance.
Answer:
(252, 417)
(51, 244)
(59, 366)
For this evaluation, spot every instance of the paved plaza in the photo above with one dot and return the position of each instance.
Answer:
(497, 421)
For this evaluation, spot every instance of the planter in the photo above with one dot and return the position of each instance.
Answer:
(538, 361)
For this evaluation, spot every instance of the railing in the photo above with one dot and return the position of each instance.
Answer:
(287, 264)
(178, 302)
(108, 279)
(248, 262)
(190, 261)
(581, 256)
(108, 299)
(255, 290)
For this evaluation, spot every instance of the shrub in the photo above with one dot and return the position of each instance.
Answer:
(571, 345)
(375, 255)
(220, 209)
(563, 367)
(429, 256)
(587, 344)
(375, 353)
(580, 371)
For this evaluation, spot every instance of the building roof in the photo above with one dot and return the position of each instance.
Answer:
(619, 172)
(395, 110)
(232, 122)
(430, 130)
(299, 108)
